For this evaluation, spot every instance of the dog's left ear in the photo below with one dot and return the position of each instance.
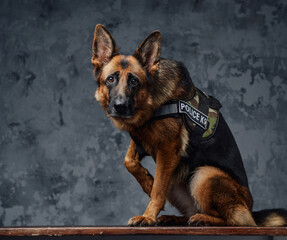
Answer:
(148, 53)
(104, 46)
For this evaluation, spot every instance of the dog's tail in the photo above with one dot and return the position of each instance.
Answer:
(271, 217)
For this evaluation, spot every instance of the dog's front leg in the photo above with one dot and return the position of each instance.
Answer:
(142, 175)
(167, 159)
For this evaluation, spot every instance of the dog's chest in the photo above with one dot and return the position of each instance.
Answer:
(158, 134)
(147, 140)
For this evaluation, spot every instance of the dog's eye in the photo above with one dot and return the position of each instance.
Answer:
(134, 81)
(110, 80)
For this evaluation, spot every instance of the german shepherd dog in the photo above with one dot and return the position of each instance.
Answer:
(208, 185)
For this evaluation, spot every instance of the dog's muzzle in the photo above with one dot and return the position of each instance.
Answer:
(121, 106)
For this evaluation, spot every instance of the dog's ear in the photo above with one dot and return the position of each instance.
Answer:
(148, 52)
(104, 46)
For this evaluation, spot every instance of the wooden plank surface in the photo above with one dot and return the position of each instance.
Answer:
(104, 231)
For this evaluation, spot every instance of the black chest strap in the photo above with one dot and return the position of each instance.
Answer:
(141, 152)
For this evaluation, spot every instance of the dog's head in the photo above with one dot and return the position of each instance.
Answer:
(124, 80)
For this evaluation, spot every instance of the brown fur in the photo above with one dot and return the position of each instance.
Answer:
(212, 197)
(218, 195)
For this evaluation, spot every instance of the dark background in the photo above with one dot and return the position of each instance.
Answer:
(61, 160)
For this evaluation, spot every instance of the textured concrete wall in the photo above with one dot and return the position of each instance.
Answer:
(61, 158)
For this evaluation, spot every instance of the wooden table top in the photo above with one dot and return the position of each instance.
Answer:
(124, 230)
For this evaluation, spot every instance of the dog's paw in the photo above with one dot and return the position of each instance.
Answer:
(199, 220)
(141, 221)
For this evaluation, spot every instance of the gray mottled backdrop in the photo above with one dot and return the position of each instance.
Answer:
(61, 160)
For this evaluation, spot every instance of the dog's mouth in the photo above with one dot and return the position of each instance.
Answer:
(117, 115)
(124, 113)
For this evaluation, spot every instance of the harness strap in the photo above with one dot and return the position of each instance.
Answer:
(176, 108)
(141, 152)
(170, 109)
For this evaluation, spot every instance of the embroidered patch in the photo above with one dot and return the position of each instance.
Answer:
(194, 114)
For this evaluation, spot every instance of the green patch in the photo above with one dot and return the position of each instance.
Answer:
(212, 116)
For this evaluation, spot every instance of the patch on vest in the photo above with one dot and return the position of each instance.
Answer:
(212, 116)
(194, 114)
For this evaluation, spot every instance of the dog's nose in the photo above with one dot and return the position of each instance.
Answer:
(121, 105)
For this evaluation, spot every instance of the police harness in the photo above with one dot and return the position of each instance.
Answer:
(200, 115)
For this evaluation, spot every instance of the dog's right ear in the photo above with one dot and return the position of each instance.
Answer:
(104, 46)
